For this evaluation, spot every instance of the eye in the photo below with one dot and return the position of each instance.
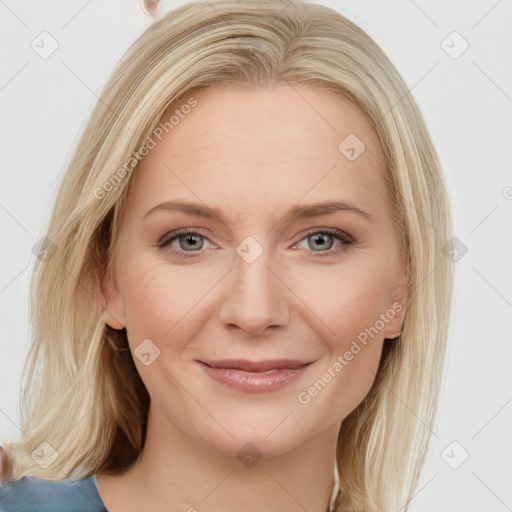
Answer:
(183, 241)
(322, 242)
(188, 243)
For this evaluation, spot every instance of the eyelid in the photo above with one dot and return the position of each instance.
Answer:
(169, 236)
(342, 235)
(345, 238)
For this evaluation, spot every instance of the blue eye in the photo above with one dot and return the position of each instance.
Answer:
(320, 242)
(321, 239)
(188, 241)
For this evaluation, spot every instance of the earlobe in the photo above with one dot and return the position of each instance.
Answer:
(112, 321)
(113, 313)
(396, 314)
(397, 307)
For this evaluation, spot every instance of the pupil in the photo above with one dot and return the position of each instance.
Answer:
(321, 239)
(190, 239)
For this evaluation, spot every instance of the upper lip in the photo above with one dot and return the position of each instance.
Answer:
(257, 366)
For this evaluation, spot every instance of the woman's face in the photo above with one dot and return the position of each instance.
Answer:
(266, 323)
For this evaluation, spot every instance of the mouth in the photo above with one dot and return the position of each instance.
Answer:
(254, 376)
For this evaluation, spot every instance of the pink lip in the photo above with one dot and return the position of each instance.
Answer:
(249, 376)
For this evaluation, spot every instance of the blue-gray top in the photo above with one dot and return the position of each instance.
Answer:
(30, 494)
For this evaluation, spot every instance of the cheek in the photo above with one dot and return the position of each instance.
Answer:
(158, 297)
(347, 298)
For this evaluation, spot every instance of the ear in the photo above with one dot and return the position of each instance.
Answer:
(396, 308)
(113, 312)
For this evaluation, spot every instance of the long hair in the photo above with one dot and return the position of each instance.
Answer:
(83, 405)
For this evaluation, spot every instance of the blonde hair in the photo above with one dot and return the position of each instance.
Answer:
(82, 393)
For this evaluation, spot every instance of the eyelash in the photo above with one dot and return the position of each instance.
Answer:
(345, 239)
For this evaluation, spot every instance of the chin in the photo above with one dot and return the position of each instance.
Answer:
(264, 438)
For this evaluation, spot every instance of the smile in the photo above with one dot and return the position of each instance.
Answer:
(254, 376)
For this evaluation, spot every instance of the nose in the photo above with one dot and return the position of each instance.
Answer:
(256, 298)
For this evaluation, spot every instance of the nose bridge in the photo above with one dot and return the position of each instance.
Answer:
(257, 298)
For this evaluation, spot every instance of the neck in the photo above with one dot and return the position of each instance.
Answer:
(175, 472)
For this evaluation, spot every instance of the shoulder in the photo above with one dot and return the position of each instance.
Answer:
(30, 494)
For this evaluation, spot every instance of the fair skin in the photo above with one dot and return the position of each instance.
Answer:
(253, 155)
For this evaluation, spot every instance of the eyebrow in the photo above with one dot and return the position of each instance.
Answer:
(298, 212)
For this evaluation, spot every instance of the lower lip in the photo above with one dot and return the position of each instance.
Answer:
(253, 382)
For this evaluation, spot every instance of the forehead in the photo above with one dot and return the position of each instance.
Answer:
(266, 146)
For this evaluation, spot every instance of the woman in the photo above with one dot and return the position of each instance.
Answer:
(201, 348)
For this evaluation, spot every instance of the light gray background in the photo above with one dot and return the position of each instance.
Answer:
(467, 103)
